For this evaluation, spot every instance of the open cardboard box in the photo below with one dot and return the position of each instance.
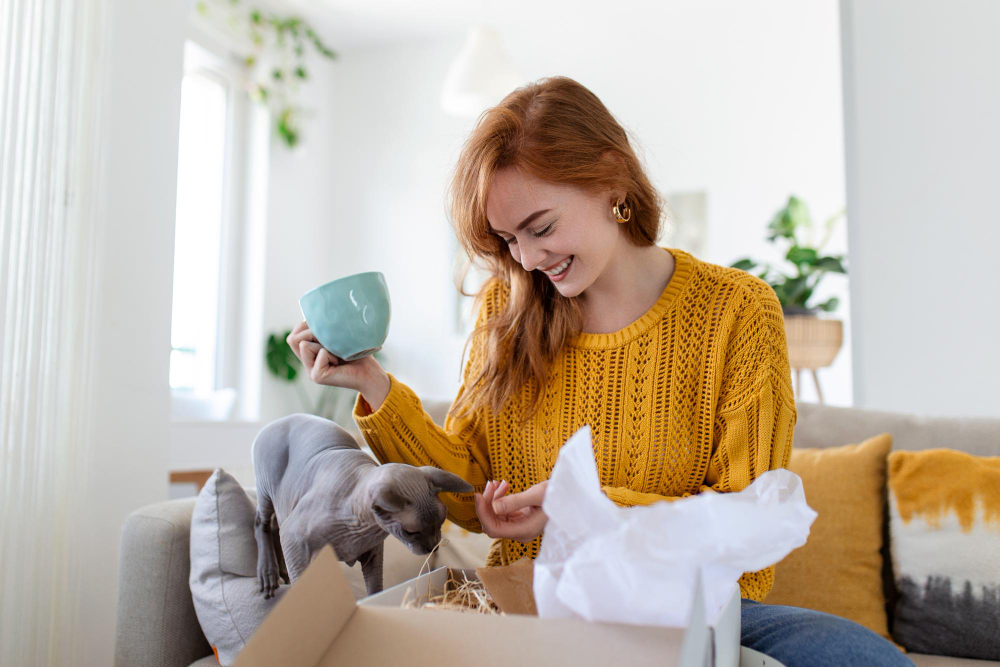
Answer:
(318, 623)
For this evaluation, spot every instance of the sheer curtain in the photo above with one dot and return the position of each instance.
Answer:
(51, 89)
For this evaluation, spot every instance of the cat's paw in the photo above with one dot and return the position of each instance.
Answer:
(267, 577)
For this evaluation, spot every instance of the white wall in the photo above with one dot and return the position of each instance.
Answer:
(127, 468)
(136, 442)
(922, 104)
(297, 250)
(302, 248)
(742, 100)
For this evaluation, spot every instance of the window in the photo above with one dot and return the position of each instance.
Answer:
(212, 359)
(201, 184)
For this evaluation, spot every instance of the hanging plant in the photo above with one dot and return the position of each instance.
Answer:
(276, 62)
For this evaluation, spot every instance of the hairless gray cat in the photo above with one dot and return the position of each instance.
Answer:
(312, 475)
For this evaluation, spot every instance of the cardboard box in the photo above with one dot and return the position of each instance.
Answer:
(318, 623)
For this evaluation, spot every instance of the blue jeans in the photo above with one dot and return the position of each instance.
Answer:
(806, 638)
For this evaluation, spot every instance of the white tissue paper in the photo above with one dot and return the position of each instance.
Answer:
(602, 562)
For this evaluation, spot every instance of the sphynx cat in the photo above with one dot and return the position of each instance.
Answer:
(312, 475)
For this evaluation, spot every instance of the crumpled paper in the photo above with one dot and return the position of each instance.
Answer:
(602, 562)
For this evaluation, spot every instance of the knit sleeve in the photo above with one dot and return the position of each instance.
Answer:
(401, 431)
(754, 420)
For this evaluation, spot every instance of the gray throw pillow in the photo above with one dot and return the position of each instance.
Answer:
(227, 597)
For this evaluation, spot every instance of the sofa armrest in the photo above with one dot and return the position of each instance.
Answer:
(156, 623)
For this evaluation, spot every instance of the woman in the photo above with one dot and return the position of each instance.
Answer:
(679, 366)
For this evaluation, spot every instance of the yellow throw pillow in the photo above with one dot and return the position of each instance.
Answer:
(839, 569)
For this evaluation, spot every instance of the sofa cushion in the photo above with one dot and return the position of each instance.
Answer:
(839, 569)
(944, 518)
(223, 579)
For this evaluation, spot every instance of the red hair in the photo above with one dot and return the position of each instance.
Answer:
(558, 131)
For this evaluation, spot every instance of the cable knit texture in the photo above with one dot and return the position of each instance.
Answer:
(696, 394)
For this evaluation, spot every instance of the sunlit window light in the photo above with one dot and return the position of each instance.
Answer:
(200, 210)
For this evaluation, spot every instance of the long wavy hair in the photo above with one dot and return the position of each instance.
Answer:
(558, 131)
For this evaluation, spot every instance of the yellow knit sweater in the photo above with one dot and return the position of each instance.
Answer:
(695, 394)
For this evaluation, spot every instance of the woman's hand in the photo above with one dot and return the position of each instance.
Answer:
(323, 367)
(518, 516)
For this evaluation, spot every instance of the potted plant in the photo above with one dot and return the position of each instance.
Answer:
(334, 403)
(813, 342)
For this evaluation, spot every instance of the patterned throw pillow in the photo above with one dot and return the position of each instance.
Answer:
(945, 525)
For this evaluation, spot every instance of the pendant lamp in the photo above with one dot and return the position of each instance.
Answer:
(480, 76)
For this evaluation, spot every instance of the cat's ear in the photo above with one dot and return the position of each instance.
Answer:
(442, 480)
(387, 501)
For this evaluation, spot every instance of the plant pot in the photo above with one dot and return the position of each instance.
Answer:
(812, 342)
(798, 310)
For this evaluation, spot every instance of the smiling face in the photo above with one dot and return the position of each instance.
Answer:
(545, 225)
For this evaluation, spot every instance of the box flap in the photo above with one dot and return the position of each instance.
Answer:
(726, 632)
(307, 620)
(511, 586)
(424, 638)
(319, 624)
(697, 650)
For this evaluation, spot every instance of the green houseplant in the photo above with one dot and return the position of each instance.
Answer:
(792, 225)
(812, 342)
(334, 403)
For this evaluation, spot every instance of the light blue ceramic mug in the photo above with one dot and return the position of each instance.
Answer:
(349, 316)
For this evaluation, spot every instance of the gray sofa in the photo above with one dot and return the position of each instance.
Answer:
(157, 626)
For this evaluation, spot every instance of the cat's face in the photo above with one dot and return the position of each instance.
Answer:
(406, 504)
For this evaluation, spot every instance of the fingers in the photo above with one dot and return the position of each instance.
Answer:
(518, 516)
(323, 359)
(537, 492)
(509, 516)
(496, 490)
(486, 517)
(308, 353)
(484, 508)
(525, 528)
(533, 526)
(300, 333)
(489, 491)
(515, 501)
(501, 489)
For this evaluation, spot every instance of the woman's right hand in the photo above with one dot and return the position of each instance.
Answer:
(323, 367)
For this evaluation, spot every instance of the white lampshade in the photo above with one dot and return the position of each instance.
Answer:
(480, 76)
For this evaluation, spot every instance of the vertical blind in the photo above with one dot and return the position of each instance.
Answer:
(52, 55)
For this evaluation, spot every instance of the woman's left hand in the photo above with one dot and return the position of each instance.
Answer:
(518, 516)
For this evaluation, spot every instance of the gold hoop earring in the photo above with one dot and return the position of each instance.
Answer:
(618, 210)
